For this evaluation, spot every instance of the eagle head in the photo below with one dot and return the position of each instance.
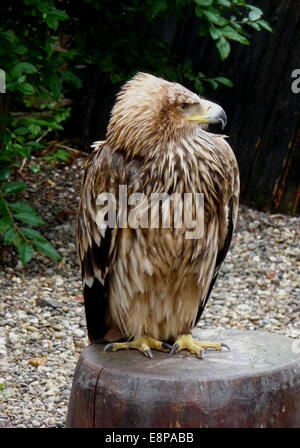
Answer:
(151, 111)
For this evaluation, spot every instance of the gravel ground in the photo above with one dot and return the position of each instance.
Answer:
(42, 326)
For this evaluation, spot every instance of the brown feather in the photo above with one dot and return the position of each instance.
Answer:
(155, 281)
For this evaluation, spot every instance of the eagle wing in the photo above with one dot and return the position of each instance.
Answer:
(96, 241)
(227, 213)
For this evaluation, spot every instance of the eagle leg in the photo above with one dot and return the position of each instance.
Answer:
(187, 342)
(144, 344)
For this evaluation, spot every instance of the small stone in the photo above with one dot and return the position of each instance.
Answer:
(50, 392)
(227, 267)
(79, 332)
(47, 302)
(4, 423)
(58, 335)
(35, 362)
(35, 423)
(16, 280)
(13, 338)
(59, 281)
(57, 327)
(35, 336)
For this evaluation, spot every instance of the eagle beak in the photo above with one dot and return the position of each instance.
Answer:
(206, 112)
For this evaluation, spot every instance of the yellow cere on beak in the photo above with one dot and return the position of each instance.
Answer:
(206, 112)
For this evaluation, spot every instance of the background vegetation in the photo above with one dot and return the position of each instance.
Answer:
(47, 51)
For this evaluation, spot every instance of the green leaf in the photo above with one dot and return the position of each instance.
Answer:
(214, 32)
(22, 207)
(158, 7)
(52, 21)
(34, 145)
(10, 36)
(224, 48)
(71, 78)
(13, 188)
(32, 219)
(10, 236)
(26, 88)
(255, 13)
(21, 49)
(5, 158)
(62, 155)
(22, 151)
(34, 129)
(32, 234)
(226, 3)
(35, 168)
(54, 17)
(42, 5)
(21, 130)
(254, 25)
(265, 25)
(46, 248)
(5, 223)
(204, 2)
(26, 252)
(224, 81)
(23, 67)
(36, 121)
(213, 83)
(199, 12)
(55, 86)
(4, 173)
(198, 86)
(214, 17)
(21, 79)
(230, 33)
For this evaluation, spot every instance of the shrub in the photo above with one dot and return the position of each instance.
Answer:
(46, 49)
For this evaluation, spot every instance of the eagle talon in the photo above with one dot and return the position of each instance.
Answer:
(108, 348)
(148, 353)
(201, 354)
(198, 348)
(225, 346)
(144, 344)
(174, 349)
(166, 346)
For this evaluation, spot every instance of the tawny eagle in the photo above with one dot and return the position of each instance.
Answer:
(149, 286)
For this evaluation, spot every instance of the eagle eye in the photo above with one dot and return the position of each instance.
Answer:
(184, 106)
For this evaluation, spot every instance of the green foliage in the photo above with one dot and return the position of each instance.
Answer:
(47, 48)
(58, 156)
(227, 20)
(199, 80)
(47, 45)
(30, 53)
(24, 136)
(13, 216)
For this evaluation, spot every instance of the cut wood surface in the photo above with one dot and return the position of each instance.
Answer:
(256, 384)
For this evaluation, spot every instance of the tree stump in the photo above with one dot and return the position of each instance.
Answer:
(256, 384)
